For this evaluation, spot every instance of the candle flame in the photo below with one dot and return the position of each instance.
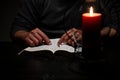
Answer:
(91, 11)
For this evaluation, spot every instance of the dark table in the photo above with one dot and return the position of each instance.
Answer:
(33, 66)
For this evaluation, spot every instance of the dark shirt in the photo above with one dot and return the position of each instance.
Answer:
(115, 13)
(54, 17)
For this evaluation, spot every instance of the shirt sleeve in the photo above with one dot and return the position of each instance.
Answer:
(112, 13)
(27, 16)
(115, 13)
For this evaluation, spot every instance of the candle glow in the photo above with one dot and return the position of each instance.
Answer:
(91, 11)
(91, 20)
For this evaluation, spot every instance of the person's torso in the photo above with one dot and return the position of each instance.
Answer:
(59, 16)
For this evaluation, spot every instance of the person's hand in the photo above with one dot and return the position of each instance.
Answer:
(70, 36)
(107, 31)
(36, 37)
(33, 38)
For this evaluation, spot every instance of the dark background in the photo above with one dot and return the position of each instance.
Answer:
(8, 10)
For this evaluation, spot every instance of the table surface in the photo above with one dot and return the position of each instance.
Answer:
(54, 67)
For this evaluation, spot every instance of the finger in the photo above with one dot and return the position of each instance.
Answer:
(105, 31)
(73, 43)
(78, 36)
(44, 36)
(70, 42)
(29, 42)
(66, 36)
(34, 39)
(61, 40)
(113, 32)
(37, 36)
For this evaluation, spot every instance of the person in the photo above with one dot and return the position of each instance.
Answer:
(40, 20)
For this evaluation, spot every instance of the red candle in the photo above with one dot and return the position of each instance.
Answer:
(91, 21)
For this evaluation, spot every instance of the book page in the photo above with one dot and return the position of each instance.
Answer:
(52, 47)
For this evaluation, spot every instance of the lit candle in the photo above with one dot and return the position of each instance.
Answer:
(91, 20)
(91, 23)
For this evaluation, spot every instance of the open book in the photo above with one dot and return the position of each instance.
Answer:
(53, 48)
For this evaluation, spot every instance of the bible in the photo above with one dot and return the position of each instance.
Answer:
(52, 48)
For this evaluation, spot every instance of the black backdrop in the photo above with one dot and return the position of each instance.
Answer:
(8, 9)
